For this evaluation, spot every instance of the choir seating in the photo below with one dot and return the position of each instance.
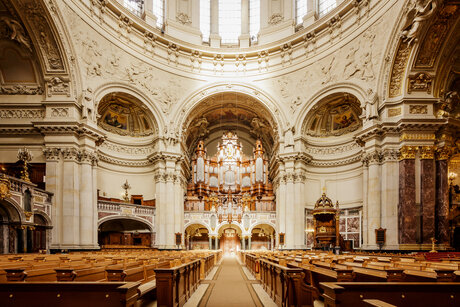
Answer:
(112, 277)
(300, 278)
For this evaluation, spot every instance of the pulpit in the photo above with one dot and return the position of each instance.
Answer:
(326, 223)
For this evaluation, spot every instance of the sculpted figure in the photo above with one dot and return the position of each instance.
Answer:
(17, 32)
(372, 105)
(88, 105)
(418, 14)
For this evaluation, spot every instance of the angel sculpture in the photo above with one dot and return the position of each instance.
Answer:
(17, 32)
(418, 14)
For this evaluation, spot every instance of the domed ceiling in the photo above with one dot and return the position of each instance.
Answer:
(334, 116)
(125, 115)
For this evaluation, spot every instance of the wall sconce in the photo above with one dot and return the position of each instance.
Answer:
(452, 176)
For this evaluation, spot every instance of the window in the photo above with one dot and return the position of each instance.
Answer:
(301, 10)
(135, 6)
(254, 19)
(325, 6)
(229, 21)
(205, 19)
(158, 11)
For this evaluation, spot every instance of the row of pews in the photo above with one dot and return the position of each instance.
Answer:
(114, 277)
(301, 278)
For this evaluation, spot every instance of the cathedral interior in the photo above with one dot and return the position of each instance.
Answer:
(253, 129)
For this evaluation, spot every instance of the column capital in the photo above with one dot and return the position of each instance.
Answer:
(427, 152)
(407, 152)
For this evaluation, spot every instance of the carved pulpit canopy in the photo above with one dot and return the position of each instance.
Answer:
(324, 205)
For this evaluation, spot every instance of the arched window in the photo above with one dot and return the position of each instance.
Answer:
(135, 6)
(205, 19)
(158, 11)
(254, 19)
(229, 21)
(301, 10)
(325, 6)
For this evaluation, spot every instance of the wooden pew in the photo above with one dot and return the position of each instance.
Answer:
(74, 294)
(396, 293)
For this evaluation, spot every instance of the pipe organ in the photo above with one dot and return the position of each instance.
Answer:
(229, 183)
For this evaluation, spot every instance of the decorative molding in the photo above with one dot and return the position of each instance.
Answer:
(444, 153)
(418, 109)
(21, 90)
(417, 136)
(390, 155)
(57, 86)
(394, 112)
(131, 150)
(399, 69)
(60, 112)
(183, 18)
(348, 161)
(110, 160)
(22, 113)
(331, 150)
(420, 82)
(407, 152)
(275, 19)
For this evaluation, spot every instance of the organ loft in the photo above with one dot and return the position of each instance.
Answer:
(230, 183)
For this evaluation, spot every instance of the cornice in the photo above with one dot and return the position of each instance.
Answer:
(110, 17)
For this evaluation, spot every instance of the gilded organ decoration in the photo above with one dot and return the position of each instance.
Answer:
(229, 183)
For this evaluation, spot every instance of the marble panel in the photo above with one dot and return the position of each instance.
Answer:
(342, 225)
(353, 224)
(407, 211)
(355, 238)
(442, 202)
(428, 199)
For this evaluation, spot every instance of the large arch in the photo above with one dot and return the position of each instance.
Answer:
(182, 114)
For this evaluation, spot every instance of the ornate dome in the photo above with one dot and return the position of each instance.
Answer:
(123, 114)
(338, 116)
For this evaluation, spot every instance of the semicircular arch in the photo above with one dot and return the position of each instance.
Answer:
(117, 217)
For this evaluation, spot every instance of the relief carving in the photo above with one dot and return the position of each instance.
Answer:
(22, 113)
(59, 112)
(87, 104)
(46, 41)
(183, 18)
(20, 90)
(449, 105)
(371, 107)
(394, 112)
(57, 86)
(275, 19)
(326, 71)
(420, 82)
(418, 109)
(15, 32)
(399, 69)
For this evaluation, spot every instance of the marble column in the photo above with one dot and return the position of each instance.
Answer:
(249, 243)
(365, 161)
(243, 240)
(290, 213)
(373, 198)
(407, 210)
(86, 203)
(299, 211)
(160, 214)
(210, 242)
(71, 199)
(390, 197)
(427, 192)
(54, 185)
(170, 206)
(216, 242)
(442, 197)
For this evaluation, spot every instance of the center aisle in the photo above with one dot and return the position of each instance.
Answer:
(230, 287)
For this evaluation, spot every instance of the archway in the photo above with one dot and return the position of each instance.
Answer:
(197, 237)
(125, 232)
(39, 233)
(230, 239)
(262, 237)
(11, 233)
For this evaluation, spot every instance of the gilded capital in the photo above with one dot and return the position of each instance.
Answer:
(427, 152)
(444, 153)
(407, 152)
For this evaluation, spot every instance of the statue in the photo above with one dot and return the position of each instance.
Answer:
(88, 105)
(371, 107)
(448, 104)
(418, 14)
